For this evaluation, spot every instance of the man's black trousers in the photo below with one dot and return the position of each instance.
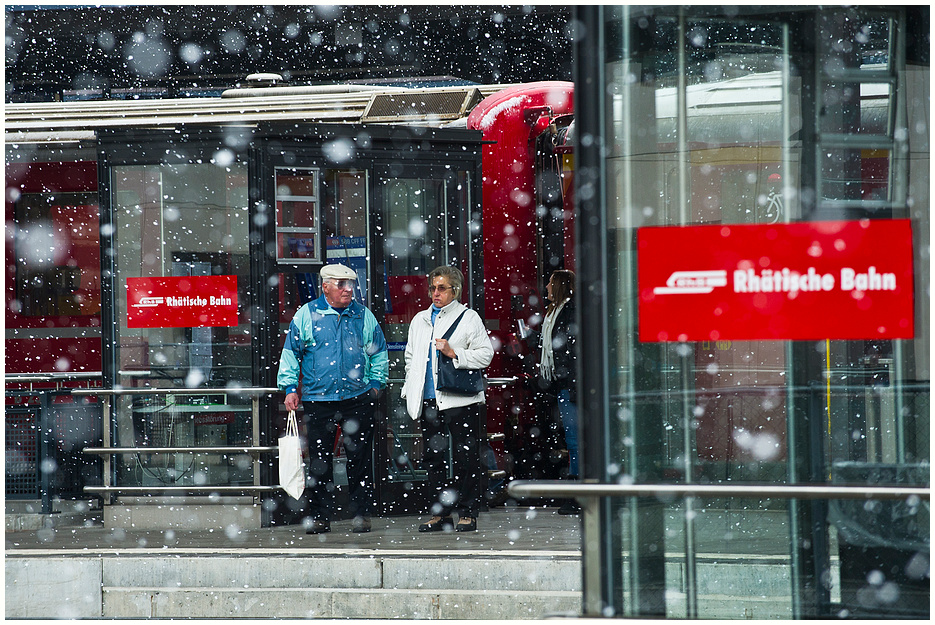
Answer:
(356, 418)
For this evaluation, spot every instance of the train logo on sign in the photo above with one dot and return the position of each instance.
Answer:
(693, 282)
(149, 302)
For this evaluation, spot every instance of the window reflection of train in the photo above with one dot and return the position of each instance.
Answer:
(53, 253)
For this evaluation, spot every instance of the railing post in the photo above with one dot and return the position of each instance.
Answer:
(106, 438)
(45, 457)
(255, 414)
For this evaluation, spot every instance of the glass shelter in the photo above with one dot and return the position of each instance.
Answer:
(723, 159)
(239, 220)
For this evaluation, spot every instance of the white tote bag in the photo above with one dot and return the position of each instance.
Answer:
(291, 467)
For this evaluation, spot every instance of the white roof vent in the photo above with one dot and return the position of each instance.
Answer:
(263, 80)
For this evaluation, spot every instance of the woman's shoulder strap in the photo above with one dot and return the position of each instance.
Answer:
(451, 329)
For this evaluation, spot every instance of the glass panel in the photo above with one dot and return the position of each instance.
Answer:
(302, 215)
(857, 115)
(711, 411)
(297, 183)
(344, 218)
(58, 255)
(427, 226)
(705, 116)
(172, 222)
(415, 213)
(297, 246)
(344, 214)
(867, 103)
(875, 395)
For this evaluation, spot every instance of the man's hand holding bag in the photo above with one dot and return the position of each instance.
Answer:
(291, 467)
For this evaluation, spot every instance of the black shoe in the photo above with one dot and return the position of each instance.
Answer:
(436, 524)
(570, 507)
(466, 524)
(360, 524)
(318, 527)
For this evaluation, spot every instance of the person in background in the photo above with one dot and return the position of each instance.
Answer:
(337, 350)
(444, 414)
(558, 361)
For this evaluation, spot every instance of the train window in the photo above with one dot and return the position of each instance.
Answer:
(58, 255)
(298, 229)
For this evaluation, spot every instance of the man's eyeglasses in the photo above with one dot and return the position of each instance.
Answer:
(440, 288)
(344, 285)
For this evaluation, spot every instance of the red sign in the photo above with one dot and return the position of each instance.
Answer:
(799, 281)
(186, 302)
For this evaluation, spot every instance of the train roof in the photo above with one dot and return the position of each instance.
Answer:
(714, 109)
(76, 121)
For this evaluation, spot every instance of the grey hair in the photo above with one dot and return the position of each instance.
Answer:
(454, 275)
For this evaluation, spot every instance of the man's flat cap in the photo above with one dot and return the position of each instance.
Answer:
(337, 272)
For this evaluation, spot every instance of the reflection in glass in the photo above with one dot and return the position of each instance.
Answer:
(711, 123)
(175, 220)
(427, 226)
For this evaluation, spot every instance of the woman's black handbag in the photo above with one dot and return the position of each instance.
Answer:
(457, 381)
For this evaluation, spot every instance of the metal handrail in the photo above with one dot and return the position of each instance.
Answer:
(175, 391)
(150, 490)
(180, 450)
(107, 451)
(490, 381)
(502, 381)
(585, 490)
(51, 377)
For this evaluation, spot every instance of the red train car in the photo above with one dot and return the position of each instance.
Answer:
(528, 217)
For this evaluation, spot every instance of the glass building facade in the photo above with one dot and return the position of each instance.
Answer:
(759, 122)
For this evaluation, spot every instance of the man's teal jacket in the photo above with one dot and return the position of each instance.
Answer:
(341, 354)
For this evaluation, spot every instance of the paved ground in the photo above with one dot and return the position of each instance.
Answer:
(500, 529)
(511, 528)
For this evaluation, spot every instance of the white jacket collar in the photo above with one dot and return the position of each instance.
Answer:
(453, 307)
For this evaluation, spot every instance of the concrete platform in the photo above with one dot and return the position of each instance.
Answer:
(500, 529)
(523, 563)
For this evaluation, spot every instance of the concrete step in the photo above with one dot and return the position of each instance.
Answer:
(374, 569)
(521, 563)
(340, 603)
(286, 585)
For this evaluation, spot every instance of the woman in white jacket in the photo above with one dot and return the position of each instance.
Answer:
(446, 414)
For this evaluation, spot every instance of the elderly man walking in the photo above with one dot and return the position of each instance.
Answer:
(337, 350)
